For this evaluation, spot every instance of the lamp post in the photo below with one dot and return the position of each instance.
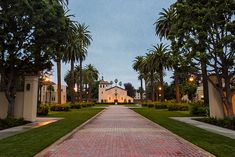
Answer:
(159, 92)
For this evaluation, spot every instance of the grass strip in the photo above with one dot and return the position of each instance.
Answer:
(218, 145)
(29, 143)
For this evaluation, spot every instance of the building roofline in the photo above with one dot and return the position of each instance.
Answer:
(115, 87)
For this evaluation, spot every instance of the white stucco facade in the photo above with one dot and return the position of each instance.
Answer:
(138, 96)
(109, 94)
(50, 96)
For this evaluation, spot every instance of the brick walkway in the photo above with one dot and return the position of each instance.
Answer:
(120, 132)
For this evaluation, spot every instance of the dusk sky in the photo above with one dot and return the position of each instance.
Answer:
(121, 30)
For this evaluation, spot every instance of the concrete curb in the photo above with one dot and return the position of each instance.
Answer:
(180, 138)
(44, 151)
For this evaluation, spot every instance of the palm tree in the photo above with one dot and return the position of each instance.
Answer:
(164, 29)
(149, 70)
(160, 58)
(92, 75)
(84, 41)
(72, 53)
(164, 22)
(137, 66)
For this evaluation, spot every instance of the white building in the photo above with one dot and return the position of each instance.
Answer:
(138, 97)
(49, 94)
(199, 93)
(109, 94)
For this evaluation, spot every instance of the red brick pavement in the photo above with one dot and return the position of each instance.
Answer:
(120, 132)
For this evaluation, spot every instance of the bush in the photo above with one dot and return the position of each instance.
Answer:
(178, 107)
(43, 110)
(226, 123)
(11, 122)
(198, 109)
(75, 106)
(59, 107)
(78, 105)
(160, 106)
(150, 105)
(144, 104)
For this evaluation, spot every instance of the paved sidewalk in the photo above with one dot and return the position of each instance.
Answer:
(212, 128)
(120, 132)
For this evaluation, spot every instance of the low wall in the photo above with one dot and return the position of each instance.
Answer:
(25, 102)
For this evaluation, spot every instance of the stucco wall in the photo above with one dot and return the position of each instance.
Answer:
(25, 102)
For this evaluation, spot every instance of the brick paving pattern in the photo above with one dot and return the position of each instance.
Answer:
(120, 132)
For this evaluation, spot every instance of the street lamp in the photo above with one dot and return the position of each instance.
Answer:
(191, 78)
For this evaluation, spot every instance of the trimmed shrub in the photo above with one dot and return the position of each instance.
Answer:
(150, 105)
(226, 123)
(144, 104)
(42, 110)
(78, 105)
(59, 107)
(160, 106)
(178, 107)
(75, 106)
(11, 122)
(198, 109)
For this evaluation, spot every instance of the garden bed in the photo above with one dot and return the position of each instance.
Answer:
(11, 122)
(225, 123)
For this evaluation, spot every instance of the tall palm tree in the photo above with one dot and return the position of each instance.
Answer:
(137, 66)
(72, 54)
(164, 29)
(62, 38)
(84, 41)
(92, 75)
(160, 58)
(164, 22)
(149, 70)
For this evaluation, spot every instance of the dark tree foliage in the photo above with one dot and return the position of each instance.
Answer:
(130, 89)
(28, 33)
(207, 32)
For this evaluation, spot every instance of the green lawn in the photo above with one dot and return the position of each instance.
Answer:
(31, 142)
(216, 144)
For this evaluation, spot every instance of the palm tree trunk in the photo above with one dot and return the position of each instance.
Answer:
(152, 86)
(89, 95)
(141, 89)
(81, 80)
(162, 85)
(177, 87)
(145, 84)
(59, 80)
(72, 81)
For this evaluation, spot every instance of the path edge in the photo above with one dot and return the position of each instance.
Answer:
(179, 137)
(66, 136)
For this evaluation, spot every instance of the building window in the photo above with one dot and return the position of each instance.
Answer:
(109, 98)
(101, 92)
